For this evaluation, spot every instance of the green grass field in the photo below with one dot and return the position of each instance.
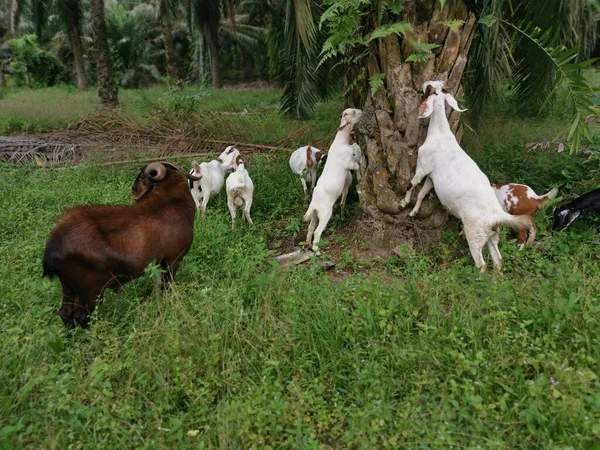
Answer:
(408, 352)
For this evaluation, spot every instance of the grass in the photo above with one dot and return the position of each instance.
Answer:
(411, 352)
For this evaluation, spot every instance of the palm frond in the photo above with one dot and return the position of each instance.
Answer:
(576, 92)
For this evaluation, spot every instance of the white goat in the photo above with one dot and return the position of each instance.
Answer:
(212, 178)
(305, 162)
(459, 183)
(357, 157)
(240, 190)
(334, 178)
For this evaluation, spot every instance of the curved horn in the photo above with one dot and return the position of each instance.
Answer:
(158, 168)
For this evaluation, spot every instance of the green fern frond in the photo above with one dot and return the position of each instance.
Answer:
(375, 82)
(452, 24)
(398, 28)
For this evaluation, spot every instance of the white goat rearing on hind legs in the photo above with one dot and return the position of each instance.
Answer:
(461, 186)
(333, 180)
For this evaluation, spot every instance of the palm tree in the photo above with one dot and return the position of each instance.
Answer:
(207, 14)
(168, 10)
(107, 88)
(71, 14)
(72, 17)
(390, 48)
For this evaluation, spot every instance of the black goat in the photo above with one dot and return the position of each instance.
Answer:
(565, 214)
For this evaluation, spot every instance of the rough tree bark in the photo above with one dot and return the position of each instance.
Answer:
(107, 88)
(2, 79)
(11, 8)
(170, 55)
(215, 59)
(390, 127)
(73, 19)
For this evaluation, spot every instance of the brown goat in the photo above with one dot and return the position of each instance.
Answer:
(98, 247)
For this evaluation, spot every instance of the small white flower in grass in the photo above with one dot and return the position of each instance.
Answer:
(193, 433)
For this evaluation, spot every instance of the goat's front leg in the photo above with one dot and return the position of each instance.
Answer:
(427, 186)
(419, 175)
(304, 186)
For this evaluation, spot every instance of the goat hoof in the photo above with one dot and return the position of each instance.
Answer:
(412, 214)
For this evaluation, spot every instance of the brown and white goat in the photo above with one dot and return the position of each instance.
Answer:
(520, 199)
(97, 247)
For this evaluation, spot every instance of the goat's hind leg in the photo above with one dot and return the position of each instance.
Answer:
(323, 220)
(247, 206)
(495, 251)
(476, 242)
(311, 228)
(427, 186)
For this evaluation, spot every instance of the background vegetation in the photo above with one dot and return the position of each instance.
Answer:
(406, 351)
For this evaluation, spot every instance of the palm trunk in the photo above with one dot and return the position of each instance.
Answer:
(390, 126)
(200, 60)
(170, 55)
(215, 60)
(2, 78)
(78, 56)
(107, 88)
(11, 9)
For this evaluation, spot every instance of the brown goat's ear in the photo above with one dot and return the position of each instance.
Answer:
(238, 160)
(428, 91)
(308, 156)
(318, 156)
(141, 187)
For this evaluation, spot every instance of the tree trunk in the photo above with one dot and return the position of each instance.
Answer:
(390, 126)
(2, 79)
(78, 55)
(200, 60)
(107, 88)
(215, 60)
(11, 9)
(171, 56)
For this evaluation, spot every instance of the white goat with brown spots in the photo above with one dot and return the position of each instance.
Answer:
(305, 163)
(518, 199)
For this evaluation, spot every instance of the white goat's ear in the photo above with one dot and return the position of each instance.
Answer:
(452, 102)
(196, 167)
(426, 107)
(343, 123)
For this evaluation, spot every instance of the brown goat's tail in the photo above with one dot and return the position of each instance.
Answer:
(550, 195)
(49, 268)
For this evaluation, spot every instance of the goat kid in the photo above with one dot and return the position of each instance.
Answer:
(565, 214)
(211, 177)
(461, 186)
(333, 180)
(97, 247)
(305, 162)
(240, 190)
(519, 199)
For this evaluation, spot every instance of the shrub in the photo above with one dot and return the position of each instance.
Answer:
(34, 66)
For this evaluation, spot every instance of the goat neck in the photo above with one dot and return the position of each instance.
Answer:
(342, 137)
(438, 122)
